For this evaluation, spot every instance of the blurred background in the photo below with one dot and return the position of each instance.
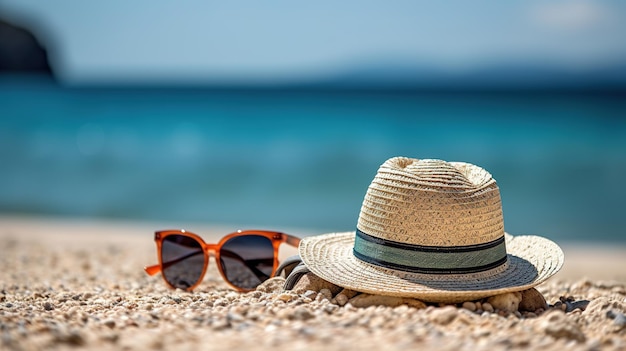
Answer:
(278, 114)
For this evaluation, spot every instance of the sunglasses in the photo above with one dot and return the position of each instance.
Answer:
(245, 259)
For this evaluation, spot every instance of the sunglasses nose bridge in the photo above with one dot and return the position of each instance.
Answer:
(211, 249)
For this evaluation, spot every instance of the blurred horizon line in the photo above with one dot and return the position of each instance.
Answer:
(581, 87)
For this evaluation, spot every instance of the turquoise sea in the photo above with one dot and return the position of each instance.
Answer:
(305, 157)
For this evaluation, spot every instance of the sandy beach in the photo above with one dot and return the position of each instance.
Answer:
(76, 284)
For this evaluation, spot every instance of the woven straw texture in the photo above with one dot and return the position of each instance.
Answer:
(531, 260)
(432, 203)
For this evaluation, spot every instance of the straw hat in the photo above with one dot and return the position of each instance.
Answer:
(432, 230)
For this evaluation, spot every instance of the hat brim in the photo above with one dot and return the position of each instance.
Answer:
(531, 260)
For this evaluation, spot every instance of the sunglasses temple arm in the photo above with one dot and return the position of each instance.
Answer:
(251, 264)
(152, 270)
(291, 240)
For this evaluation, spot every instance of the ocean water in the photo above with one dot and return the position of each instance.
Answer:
(304, 158)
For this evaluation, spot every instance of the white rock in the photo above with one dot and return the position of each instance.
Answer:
(508, 302)
(366, 300)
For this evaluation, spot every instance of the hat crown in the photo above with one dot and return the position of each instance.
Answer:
(432, 203)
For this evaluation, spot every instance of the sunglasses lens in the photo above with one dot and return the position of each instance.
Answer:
(183, 261)
(247, 261)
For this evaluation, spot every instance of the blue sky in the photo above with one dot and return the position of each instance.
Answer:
(290, 40)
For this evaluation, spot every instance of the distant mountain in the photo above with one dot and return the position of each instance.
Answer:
(398, 74)
(20, 51)
(496, 76)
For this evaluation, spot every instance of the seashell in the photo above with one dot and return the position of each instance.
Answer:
(532, 300)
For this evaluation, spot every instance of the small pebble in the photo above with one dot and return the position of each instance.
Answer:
(487, 307)
(326, 293)
(341, 299)
(286, 297)
(302, 314)
(111, 337)
(468, 305)
(366, 300)
(220, 302)
(414, 303)
(444, 315)
(70, 337)
(220, 324)
(619, 319)
(349, 293)
(87, 295)
(109, 323)
(234, 317)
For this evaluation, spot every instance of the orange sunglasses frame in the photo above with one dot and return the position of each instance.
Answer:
(277, 238)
